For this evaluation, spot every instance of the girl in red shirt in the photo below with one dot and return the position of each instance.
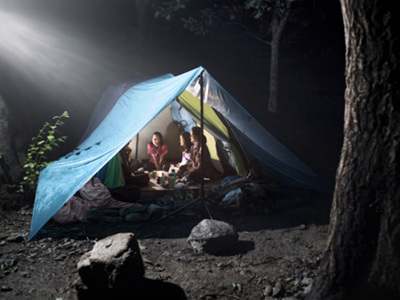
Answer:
(157, 150)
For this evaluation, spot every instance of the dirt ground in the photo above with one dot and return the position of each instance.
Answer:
(277, 254)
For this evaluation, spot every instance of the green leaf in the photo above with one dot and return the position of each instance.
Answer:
(51, 138)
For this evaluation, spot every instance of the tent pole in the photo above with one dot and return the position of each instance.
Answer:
(202, 194)
(202, 134)
(137, 146)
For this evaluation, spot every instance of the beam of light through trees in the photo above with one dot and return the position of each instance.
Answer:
(52, 55)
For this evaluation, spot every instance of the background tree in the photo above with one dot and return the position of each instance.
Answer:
(264, 20)
(362, 259)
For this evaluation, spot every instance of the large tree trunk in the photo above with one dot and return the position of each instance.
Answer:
(362, 259)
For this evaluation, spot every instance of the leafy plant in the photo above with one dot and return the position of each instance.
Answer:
(36, 159)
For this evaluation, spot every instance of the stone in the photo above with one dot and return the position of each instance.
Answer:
(212, 236)
(268, 290)
(114, 262)
(277, 290)
(15, 238)
(114, 269)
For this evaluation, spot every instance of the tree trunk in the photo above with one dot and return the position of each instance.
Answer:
(10, 168)
(277, 25)
(362, 259)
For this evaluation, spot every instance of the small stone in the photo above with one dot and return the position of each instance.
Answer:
(268, 290)
(6, 288)
(15, 238)
(306, 281)
(277, 290)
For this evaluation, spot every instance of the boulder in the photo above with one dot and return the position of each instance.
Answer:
(115, 263)
(114, 270)
(212, 236)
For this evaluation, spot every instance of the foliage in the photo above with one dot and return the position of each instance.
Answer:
(202, 18)
(262, 7)
(36, 158)
(195, 17)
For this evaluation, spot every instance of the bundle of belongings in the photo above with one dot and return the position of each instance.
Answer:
(94, 195)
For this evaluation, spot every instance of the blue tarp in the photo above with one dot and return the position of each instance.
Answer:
(134, 110)
(125, 113)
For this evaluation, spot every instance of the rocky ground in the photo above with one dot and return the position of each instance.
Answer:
(277, 255)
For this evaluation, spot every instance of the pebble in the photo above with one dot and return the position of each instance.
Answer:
(268, 290)
(6, 288)
(277, 290)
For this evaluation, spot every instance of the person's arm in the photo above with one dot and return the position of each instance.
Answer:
(196, 156)
(164, 150)
(161, 159)
(156, 163)
(153, 159)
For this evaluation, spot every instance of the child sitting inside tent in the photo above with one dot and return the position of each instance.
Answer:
(186, 162)
(130, 178)
(94, 195)
(157, 150)
(194, 173)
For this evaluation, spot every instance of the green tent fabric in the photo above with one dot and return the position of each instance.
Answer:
(213, 124)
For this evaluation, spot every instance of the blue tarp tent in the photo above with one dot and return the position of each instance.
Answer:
(127, 114)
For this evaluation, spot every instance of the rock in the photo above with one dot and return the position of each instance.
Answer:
(277, 290)
(6, 288)
(212, 236)
(268, 290)
(115, 262)
(114, 270)
(15, 238)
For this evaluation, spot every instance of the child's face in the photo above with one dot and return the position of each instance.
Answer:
(156, 140)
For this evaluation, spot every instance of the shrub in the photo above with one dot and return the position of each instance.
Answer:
(36, 159)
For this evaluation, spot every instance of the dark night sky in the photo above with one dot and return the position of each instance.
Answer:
(60, 55)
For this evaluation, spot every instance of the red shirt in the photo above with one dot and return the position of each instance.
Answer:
(157, 151)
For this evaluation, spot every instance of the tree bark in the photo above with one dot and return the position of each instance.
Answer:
(362, 259)
(277, 25)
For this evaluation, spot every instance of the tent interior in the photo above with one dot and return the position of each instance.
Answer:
(130, 112)
(170, 122)
(164, 124)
